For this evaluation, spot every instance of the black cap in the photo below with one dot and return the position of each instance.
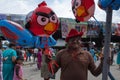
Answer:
(20, 58)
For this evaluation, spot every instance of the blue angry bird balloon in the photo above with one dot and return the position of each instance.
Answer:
(17, 34)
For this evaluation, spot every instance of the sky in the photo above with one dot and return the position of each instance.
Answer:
(62, 8)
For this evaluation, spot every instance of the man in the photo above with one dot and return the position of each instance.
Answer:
(74, 61)
(9, 57)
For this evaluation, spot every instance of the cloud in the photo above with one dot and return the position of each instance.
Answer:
(17, 6)
(61, 7)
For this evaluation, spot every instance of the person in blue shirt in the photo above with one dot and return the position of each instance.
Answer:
(1, 76)
(9, 57)
(92, 51)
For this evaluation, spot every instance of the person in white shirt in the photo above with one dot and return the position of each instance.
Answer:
(35, 54)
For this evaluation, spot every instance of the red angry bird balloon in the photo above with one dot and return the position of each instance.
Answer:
(83, 10)
(43, 21)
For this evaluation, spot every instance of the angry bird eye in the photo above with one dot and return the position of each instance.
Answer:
(42, 20)
(53, 18)
(77, 3)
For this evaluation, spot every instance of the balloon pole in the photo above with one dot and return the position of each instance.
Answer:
(107, 43)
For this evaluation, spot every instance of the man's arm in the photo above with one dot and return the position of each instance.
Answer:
(95, 70)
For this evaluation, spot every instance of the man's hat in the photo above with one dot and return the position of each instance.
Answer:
(73, 33)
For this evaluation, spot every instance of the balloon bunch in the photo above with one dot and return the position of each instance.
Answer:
(114, 4)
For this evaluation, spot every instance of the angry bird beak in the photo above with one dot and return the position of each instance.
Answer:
(81, 11)
(50, 28)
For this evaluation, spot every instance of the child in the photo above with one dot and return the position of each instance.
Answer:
(18, 71)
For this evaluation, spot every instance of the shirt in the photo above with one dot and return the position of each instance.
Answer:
(20, 72)
(76, 68)
(36, 50)
(8, 64)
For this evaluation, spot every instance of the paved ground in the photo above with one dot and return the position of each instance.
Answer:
(32, 73)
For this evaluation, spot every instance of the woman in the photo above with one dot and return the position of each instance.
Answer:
(9, 57)
(1, 78)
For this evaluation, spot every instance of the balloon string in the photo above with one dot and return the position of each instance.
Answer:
(98, 23)
(96, 20)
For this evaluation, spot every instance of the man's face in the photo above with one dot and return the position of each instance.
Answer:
(74, 42)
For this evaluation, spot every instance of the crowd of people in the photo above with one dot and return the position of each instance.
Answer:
(74, 61)
(11, 61)
(13, 57)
